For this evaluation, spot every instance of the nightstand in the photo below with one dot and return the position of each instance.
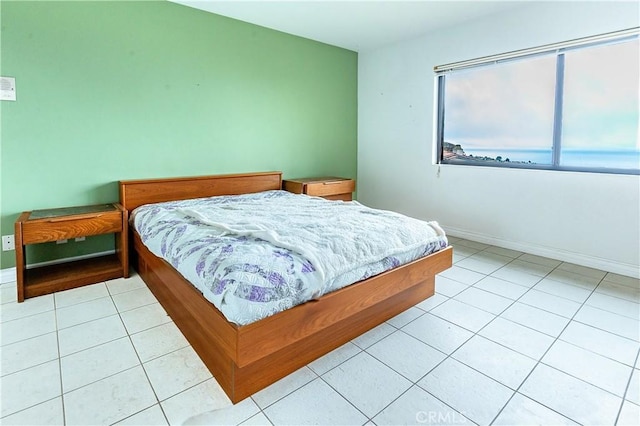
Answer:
(331, 188)
(40, 226)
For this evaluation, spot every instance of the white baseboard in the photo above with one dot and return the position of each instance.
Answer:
(9, 274)
(608, 265)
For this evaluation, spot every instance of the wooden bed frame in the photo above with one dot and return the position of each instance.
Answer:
(246, 359)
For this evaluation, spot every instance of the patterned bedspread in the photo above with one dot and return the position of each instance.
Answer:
(254, 255)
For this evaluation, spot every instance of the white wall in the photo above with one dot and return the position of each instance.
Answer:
(585, 218)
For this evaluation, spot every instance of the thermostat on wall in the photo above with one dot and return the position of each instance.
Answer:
(7, 89)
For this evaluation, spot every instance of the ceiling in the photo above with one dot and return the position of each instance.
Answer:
(354, 24)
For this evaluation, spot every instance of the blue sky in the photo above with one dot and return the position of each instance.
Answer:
(511, 104)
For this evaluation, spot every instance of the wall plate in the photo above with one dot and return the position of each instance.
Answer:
(8, 242)
(7, 89)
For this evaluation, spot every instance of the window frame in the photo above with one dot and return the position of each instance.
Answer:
(559, 49)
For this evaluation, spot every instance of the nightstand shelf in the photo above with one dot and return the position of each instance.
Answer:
(329, 187)
(64, 276)
(41, 226)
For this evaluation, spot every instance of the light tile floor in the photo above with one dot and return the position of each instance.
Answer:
(508, 338)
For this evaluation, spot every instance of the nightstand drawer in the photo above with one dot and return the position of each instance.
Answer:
(342, 197)
(330, 187)
(41, 226)
(62, 228)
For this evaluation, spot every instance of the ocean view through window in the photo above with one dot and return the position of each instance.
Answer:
(573, 107)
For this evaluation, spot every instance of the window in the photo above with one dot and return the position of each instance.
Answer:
(573, 107)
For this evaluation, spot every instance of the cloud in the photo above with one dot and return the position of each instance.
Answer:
(601, 98)
(512, 104)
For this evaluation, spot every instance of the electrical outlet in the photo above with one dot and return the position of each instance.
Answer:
(78, 239)
(61, 242)
(8, 243)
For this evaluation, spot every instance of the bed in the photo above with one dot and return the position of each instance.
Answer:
(247, 358)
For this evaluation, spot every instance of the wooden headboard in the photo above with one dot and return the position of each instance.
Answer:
(134, 193)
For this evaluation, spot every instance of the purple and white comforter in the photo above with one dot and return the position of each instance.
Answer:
(254, 255)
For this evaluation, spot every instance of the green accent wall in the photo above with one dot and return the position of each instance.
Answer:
(126, 90)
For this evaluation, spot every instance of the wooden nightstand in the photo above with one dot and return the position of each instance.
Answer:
(331, 188)
(40, 226)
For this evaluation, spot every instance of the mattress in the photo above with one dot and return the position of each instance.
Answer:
(254, 255)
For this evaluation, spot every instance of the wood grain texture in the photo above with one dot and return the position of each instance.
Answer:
(267, 370)
(299, 322)
(21, 261)
(44, 230)
(246, 359)
(341, 197)
(40, 280)
(122, 242)
(134, 193)
(331, 188)
(68, 275)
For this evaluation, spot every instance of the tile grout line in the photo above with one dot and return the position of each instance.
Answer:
(56, 308)
(135, 350)
(448, 356)
(30, 406)
(413, 383)
(59, 358)
(570, 319)
(626, 389)
(317, 376)
(476, 333)
(60, 395)
(55, 318)
(109, 295)
(159, 403)
(361, 350)
(369, 419)
(499, 315)
(540, 362)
